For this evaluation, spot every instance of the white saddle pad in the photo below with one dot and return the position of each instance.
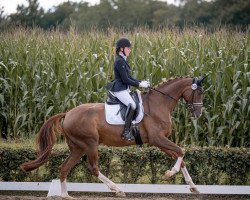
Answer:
(113, 115)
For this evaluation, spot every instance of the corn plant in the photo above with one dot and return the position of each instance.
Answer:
(44, 73)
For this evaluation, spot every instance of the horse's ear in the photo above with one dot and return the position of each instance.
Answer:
(200, 80)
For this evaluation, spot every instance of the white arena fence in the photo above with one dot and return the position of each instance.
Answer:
(54, 189)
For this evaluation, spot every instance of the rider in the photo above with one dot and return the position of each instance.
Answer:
(123, 81)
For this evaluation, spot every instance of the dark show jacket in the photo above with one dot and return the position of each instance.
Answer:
(123, 78)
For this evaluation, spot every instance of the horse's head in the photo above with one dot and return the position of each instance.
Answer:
(193, 97)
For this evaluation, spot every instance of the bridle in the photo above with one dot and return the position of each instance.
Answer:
(190, 104)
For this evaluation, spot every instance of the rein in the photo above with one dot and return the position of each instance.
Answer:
(188, 104)
(167, 95)
(151, 88)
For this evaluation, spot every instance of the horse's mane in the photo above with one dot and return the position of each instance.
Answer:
(170, 81)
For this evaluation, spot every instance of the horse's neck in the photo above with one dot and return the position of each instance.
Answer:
(166, 103)
(176, 88)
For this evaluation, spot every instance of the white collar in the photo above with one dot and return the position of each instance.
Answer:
(124, 57)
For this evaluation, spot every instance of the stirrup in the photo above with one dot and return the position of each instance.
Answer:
(126, 135)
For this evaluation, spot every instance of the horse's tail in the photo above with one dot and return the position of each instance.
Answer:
(46, 140)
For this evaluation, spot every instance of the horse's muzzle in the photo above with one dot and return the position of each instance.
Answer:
(196, 109)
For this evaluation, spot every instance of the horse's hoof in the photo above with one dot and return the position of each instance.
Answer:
(68, 197)
(168, 174)
(54, 198)
(120, 194)
(194, 190)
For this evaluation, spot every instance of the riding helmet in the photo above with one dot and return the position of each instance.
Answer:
(122, 43)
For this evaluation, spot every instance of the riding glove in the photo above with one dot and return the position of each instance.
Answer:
(144, 84)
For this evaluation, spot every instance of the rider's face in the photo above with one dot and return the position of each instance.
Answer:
(127, 51)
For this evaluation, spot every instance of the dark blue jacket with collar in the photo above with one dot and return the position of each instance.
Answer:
(123, 78)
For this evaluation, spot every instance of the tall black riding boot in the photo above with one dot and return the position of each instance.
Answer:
(128, 119)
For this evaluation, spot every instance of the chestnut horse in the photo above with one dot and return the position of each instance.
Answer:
(85, 128)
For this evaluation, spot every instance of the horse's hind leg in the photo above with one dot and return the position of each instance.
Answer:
(112, 186)
(92, 156)
(65, 168)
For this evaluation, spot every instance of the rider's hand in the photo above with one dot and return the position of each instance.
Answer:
(144, 84)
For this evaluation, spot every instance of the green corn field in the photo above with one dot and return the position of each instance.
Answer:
(44, 73)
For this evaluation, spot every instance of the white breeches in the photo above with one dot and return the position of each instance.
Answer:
(125, 98)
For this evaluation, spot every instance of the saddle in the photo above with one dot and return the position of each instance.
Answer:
(112, 100)
(115, 112)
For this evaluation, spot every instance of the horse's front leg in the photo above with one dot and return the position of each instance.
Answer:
(189, 180)
(177, 153)
(185, 173)
(176, 168)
